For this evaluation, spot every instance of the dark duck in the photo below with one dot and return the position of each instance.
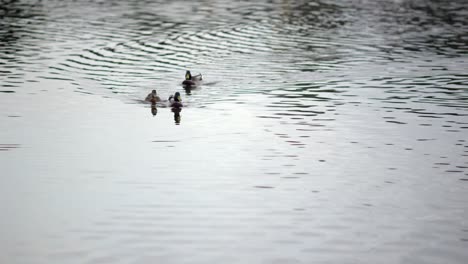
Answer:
(191, 80)
(175, 101)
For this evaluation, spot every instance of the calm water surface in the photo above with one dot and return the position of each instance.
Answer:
(324, 132)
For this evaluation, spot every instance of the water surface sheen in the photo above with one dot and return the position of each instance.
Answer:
(324, 132)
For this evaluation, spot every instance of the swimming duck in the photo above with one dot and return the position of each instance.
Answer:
(175, 101)
(191, 80)
(153, 97)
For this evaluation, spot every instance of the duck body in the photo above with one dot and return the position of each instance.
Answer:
(189, 83)
(176, 105)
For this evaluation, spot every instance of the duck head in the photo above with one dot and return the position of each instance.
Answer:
(188, 75)
(177, 97)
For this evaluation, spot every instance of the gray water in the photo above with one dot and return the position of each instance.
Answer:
(324, 132)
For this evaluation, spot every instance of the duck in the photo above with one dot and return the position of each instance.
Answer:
(153, 97)
(175, 101)
(192, 80)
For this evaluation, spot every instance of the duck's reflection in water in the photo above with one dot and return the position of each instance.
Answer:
(176, 111)
(154, 110)
(188, 90)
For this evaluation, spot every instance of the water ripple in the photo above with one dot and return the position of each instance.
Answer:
(317, 124)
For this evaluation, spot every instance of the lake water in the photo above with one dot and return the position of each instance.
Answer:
(324, 132)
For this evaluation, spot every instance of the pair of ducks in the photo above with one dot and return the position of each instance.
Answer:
(175, 100)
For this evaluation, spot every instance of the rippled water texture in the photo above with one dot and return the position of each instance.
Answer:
(323, 132)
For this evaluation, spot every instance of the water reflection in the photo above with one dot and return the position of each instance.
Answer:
(6, 147)
(188, 90)
(154, 110)
(176, 111)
